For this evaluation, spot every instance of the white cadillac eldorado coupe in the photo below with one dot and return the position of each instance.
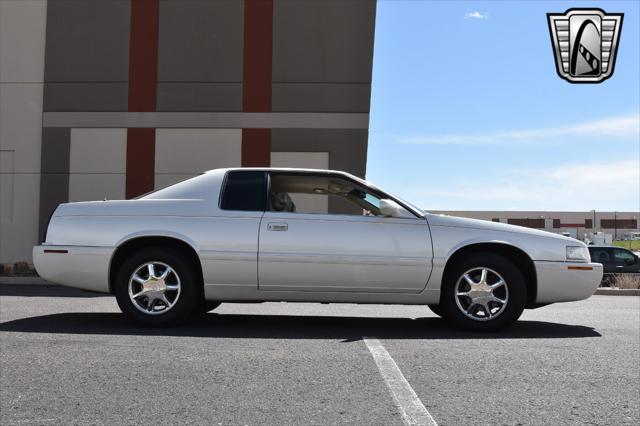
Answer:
(297, 235)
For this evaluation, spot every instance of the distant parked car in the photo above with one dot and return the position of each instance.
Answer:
(633, 236)
(615, 260)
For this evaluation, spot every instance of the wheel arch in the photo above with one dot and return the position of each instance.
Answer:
(518, 256)
(139, 242)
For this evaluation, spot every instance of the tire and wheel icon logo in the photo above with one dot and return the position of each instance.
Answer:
(585, 43)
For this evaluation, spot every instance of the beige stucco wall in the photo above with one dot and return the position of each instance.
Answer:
(97, 164)
(22, 44)
(183, 153)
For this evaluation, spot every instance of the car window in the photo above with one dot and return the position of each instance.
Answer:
(244, 190)
(620, 256)
(599, 255)
(318, 194)
(372, 199)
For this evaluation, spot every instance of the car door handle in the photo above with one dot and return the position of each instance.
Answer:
(277, 226)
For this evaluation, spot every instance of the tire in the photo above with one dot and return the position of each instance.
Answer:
(209, 305)
(484, 308)
(437, 309)
(181, 288)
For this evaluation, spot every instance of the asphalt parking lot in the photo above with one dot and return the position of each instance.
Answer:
(69, 357)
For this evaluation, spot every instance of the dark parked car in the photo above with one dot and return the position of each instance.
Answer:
(615, 260)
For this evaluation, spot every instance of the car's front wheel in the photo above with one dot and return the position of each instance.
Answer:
(484, 292)
(157, 287)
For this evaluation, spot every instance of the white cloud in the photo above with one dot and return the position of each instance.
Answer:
(601, 186)
(476, 15)
(627, 126)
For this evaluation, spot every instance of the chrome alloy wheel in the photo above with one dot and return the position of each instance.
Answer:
(154, 288)
(481, 294)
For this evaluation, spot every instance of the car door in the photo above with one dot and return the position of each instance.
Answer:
(624, 261)
(602, 255)
(332, 251)
(229, 248)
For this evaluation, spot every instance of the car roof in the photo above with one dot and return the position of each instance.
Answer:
(281, 169)
(603, 246)
(296, 170)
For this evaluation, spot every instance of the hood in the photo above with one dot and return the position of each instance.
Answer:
(463, 222)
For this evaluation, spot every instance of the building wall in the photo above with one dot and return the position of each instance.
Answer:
(113, 98)
(22, 46)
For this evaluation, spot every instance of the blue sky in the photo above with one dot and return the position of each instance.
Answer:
(468, 112)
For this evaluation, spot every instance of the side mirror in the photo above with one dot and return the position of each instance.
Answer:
(390, 208)
(631, 261)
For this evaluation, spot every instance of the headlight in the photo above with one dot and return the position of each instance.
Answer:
(578, 253)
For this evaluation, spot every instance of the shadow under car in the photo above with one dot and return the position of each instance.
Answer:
(258, 326)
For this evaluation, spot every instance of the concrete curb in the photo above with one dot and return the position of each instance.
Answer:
(617, 292)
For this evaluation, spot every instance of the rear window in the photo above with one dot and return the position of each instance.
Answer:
(244, 191)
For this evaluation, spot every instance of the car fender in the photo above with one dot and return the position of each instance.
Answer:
(157, 233)
(441, 259)
(479, 240)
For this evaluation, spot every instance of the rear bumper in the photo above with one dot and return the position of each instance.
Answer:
(74, 266)
(566, 281)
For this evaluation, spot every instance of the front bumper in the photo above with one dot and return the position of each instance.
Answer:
(74, 266)
(566, 281)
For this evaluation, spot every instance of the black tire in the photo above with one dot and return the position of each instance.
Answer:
(186, 303)
(209, 305)
(607, 280)
(437, 309)
(505, 314)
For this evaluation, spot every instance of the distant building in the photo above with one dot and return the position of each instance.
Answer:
(113, 98)
(580, 224)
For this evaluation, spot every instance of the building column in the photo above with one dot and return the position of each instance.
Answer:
(143, 76)
(256, 79)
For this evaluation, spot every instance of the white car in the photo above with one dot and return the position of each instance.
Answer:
(297, 235)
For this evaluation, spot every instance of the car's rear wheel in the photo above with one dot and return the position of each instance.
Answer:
(484, 292)
(157, 287)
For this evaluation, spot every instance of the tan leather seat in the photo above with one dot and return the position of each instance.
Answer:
(282, 202)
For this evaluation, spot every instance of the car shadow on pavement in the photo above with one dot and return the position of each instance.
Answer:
(45, 290)
(348, 329)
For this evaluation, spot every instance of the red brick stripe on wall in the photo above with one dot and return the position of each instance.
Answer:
(141, 153)
(256, 147)
(143, 76)
(256, 80)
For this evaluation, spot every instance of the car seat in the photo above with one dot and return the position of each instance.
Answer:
(282, 202)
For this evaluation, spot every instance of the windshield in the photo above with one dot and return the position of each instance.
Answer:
(414, 209)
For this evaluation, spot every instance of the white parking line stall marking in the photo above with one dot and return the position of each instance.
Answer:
(412, 410)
